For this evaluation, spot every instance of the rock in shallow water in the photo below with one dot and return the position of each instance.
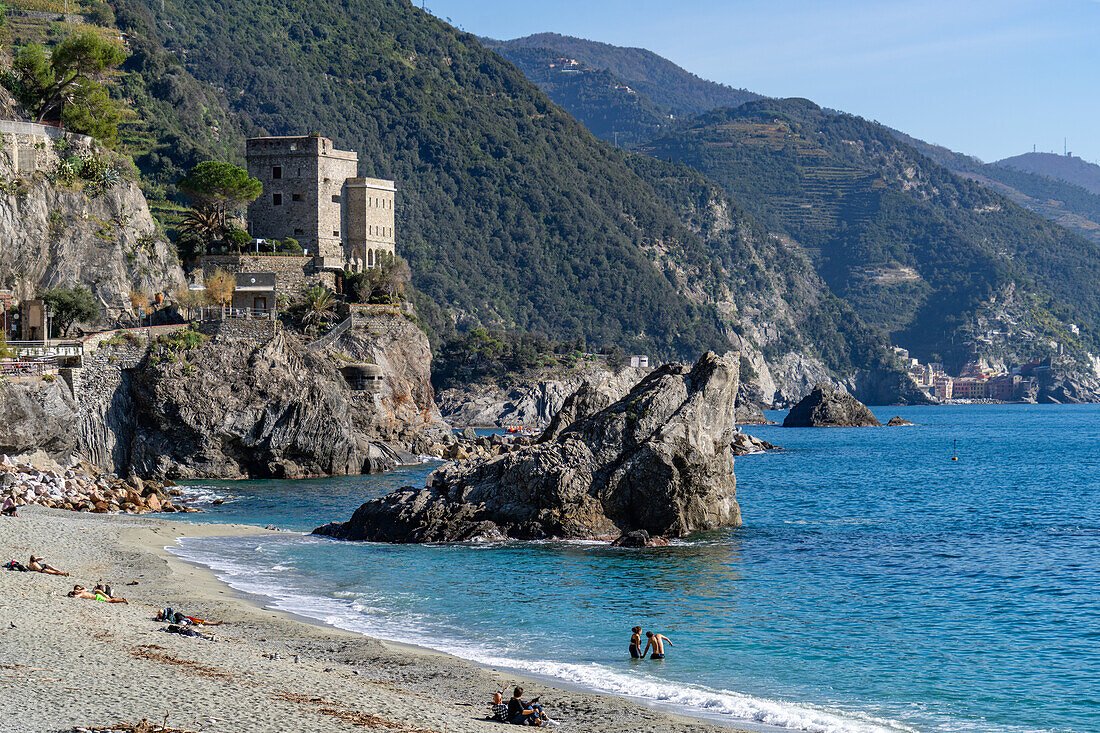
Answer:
(658, 459)
(826, 407)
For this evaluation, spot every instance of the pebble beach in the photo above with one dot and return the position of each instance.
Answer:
(72, 664)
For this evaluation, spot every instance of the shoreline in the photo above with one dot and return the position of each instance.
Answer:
(79, 663)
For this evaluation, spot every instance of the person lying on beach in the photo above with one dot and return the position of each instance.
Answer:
(524, 713)
(498, 709)
(636, 642)
(80, 591)
(657, 641)
(175, 617)
(37, 566)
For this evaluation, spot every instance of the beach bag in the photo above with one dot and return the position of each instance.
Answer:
(18, 567)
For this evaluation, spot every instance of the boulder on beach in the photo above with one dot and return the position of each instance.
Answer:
(658, 459)
(825, 407)
(898, 421)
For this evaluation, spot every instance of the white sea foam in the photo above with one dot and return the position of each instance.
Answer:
(356, 612)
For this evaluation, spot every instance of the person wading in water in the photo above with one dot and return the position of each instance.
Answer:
(657, 641)
(636, 643)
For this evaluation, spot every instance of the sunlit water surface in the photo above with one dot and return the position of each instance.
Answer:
(876, 584)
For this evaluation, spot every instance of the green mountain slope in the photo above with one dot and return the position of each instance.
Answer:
(609, 107)
(1065, 204)
(914, 248)
(1060, 167)
(670, 87)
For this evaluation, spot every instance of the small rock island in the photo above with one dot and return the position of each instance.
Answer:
(825, 407)
(659, 459)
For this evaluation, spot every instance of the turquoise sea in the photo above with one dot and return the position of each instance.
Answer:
(875, 586)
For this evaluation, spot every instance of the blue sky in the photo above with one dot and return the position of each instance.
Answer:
(986, 77)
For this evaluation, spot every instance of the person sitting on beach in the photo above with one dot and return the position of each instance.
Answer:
(498, 710)
(657, 641)
(524, 713)
(636, 642)
(37, 566)
(80, 591)
(8, 509)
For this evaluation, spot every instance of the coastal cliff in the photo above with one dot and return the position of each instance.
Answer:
(59, 228)
(657, 459)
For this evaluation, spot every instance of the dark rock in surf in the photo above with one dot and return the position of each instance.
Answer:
(658, 459)
(826, 407)
(897, 421)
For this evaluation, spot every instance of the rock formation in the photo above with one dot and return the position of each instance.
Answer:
(267, 408)
(898, 421)
(77, 234)
(38, 418)
(657, 459)
(743, 444)
(826, 407)
(531, 400)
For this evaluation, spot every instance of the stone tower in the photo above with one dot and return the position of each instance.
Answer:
(311, 193)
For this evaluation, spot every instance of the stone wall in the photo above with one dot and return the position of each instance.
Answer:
(26, 145)
(239, 328)
(293, 274)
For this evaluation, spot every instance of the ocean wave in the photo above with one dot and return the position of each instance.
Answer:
(355, 612)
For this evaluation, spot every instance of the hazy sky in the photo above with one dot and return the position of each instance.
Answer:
(986, 77)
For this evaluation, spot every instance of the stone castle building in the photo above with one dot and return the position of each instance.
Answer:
(312, 193)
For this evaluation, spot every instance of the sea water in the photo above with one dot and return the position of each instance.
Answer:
(876, 585)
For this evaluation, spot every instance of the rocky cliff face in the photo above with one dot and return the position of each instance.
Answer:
(250, 406)
(657, 459)
(532, 399)
(38, 419)
(80, 233)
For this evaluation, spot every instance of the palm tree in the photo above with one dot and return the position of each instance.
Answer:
(202, 222)
(320, 305)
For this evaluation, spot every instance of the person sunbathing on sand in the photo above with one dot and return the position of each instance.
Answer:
(37, 566)
(80, 591)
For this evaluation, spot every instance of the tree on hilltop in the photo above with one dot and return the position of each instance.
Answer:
(64, 83)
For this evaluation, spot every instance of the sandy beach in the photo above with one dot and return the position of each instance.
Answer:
(70, 663)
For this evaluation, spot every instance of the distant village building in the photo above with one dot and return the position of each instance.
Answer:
(639, 360)
(312, 194)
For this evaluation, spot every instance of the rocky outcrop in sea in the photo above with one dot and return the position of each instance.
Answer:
(657, 459)
(826, 407)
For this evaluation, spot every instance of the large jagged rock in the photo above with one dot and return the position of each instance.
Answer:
(657, 459)
(826, 407)
(37, 417)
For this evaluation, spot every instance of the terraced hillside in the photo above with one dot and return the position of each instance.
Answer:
(914, 248)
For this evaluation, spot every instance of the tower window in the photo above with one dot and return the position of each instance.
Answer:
(336, 198)
(336, 234)
(299, 231)
(276, 172)
(277, 199)
(296, 197)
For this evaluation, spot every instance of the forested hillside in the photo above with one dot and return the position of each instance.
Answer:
(671, 88)
(914, 248)
(607, 105)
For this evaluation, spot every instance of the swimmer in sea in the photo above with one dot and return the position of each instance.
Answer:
(657, 641)
(636, 643)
